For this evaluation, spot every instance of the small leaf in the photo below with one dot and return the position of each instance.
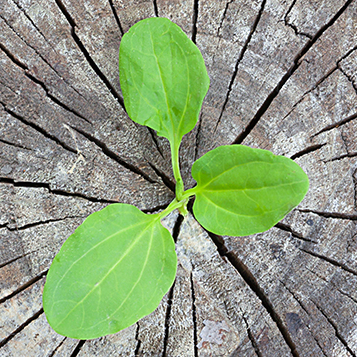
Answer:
(112, 271)
(241, 191)
(162, 76)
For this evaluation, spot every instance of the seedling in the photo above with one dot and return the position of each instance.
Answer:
(117, 266)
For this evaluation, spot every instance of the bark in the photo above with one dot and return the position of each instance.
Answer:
(283, 78)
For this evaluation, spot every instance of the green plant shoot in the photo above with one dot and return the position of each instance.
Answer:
(117, 266)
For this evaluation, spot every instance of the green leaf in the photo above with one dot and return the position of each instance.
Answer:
(162, 76)
(241, 191)
(112, 271)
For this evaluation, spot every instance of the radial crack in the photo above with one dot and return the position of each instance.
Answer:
(352, 154)
(13, 58)
(78, 348)
(86, 54)
(252, 282)
(194, 20)
(296, 64)
(116, 17)
(112, 155)
(167, 318)
(38, 129)
(21, 327)
(294, 234)
(40, 83)
(41, 223)
(194, 317)
(53, 191)
(58, 347)
(155, 8)
(138, 341)
(154, 138)
(331, 261)
(335, 215)
(54, 99)
(17, 258)
(306, 151)
(337, 124)
(350, 79)
(33, 24)
(240, 57)
(304, 309)
(24, 286)
(15, 145)
(38, 54)
(334, 326)
(197, 139)
(223, 17)
(287, 23)
(165, 179)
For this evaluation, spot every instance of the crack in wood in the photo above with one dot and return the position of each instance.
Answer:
(36, 127)
(330, 260)
(197, 138)
(335, 215)
(194, 316)
(308, 150)
(252, 282)
(54, 99)
(308, 314)
(156, 209)
(115, 14)
(138, 341)
(252, 338)
(21, 327)
(41, 223)
(13, 58)
(194, 20)
(57, 348)
(165, 179)
(337, 124)
(287, 23)
(294, 234)
(156, 12)
(87, 56)
(352, 154)
(328, 281)
(78, 348)
(296, 64)
(15, 145)
(32, 23)
(177, 227)
(15, 183)
(16, 258)
(112, 155)
(38, 54)
(167, 318)
(24, 286)
(350, 79)
(154, 138)
(240, 57)
(334, 326)
(223, 17)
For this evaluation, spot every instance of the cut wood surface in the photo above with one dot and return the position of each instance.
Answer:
(283, 78)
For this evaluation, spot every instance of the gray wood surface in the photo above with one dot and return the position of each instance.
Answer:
(283, 77)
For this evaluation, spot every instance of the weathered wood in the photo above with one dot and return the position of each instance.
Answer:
(283, 77)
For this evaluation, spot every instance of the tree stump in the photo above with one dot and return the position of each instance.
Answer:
(283, 78)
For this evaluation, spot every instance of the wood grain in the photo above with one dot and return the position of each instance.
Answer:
(283, 77)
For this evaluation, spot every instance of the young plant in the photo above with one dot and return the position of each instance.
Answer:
(117, 266)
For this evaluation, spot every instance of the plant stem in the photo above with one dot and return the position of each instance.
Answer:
(175, 146)
(171, 207)
(188, 193)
